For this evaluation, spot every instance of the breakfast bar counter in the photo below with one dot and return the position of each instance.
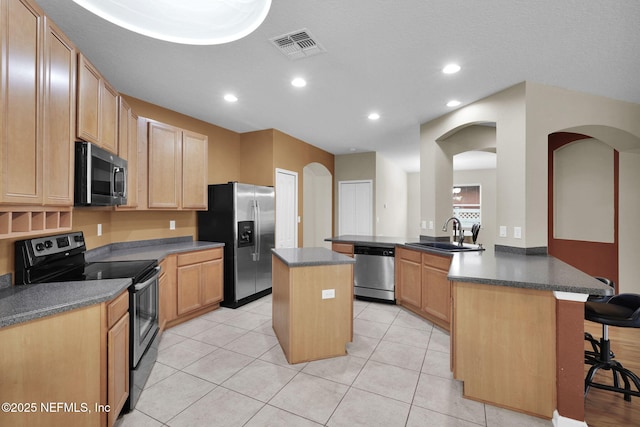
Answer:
(312, 302)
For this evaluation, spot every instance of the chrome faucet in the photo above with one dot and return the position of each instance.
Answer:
(461, 234)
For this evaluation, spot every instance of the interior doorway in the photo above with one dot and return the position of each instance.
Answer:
(583, 203)
(317, 205)
(286, 209)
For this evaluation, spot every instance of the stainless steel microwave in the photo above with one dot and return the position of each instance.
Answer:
(100, 177)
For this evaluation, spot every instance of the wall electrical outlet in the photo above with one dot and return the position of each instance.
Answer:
(172, 225)
(99, 229)
(517, 232)
(423, 224)
(328, 293)
(430, 225)
(503, 231)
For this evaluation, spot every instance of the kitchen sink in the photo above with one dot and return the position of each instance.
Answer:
(447, 247)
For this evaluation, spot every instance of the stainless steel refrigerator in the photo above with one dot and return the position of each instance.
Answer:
(242, 216)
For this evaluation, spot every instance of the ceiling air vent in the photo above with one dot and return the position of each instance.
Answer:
(297, 45)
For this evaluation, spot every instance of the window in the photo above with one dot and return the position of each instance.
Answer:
(466, 205)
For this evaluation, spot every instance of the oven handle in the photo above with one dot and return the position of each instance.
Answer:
(145, 284)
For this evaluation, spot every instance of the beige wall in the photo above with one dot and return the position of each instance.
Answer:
(525, 115)
(629, 223)
(390, 199)
(413, 206)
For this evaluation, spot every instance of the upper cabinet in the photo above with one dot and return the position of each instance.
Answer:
(21, 143)
(128, 150)
(97, 107)
(177, 168)
(37, 121)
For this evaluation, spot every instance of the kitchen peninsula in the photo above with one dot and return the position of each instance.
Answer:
(312, 302)
(517, 326)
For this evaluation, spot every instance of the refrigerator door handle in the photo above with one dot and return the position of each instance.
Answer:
(256, 255)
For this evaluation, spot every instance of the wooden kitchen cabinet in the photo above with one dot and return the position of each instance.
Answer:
(37, 116)
(177, 168)
(78, 356)
(422, 285)
(191, 284)
(97, 107)
(199, 280)
(343, 248)
(117, 355)
(128, 150)
(436, 289)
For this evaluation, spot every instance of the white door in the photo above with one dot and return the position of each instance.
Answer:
(286, 209)
(356, 208)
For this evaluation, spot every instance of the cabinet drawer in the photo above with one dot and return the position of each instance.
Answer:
(117, 308)
(435, 261)
(409, 255)
(199, 256)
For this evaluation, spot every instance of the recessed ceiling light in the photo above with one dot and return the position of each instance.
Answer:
(453, 103)
(197, 22)
(298, 82)
(374, 116)
(451, 69)
(230, 97)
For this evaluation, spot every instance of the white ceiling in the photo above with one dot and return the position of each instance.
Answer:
(381, 55)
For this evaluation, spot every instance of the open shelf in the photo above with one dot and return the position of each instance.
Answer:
(28, 221)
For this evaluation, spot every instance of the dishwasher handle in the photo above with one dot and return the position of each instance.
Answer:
(374, 251)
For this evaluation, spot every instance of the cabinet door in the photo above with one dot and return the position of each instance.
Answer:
(89, 83)
(59, 116)
(165, 165)
(212, 281)
(436, 293)
(109, 98)
(408, 275)
(194, 170)
(189, 299)
(117, 367)
(20, 108)
(128, 150)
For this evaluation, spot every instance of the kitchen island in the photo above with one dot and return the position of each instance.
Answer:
(517, 327)
(312, 302)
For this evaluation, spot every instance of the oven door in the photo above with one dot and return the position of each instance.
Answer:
(144, 314)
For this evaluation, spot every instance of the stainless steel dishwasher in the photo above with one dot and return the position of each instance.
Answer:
(374, 273)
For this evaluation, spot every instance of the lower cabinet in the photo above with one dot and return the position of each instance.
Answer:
(117, 356)
(67, 369)
(422, 285)
(191, 284)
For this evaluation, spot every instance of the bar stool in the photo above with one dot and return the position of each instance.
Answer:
(621, 310)
(592, 356)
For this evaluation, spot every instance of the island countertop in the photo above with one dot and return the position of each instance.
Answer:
(304, 257)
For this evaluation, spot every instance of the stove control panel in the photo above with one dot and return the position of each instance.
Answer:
(43, 246)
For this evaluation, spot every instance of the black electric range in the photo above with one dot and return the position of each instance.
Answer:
(61, 258)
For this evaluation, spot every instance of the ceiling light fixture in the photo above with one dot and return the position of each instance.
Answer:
(374, 116)
(453, 103)
(230, 97)
(197, 22)
(298, 82)
(451, 69)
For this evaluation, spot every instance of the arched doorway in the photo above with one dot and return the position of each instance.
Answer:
(317, 205)
(583, 203)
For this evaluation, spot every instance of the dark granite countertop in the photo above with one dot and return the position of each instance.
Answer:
(28, 302)
(523, 271)
(305, 257)
(380, 241)
(501, 268)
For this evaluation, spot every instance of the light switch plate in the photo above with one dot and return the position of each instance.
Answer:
(328, 293)
(503, 231)
(517, 232)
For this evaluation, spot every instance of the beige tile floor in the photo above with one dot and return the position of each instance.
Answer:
(226, 368)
